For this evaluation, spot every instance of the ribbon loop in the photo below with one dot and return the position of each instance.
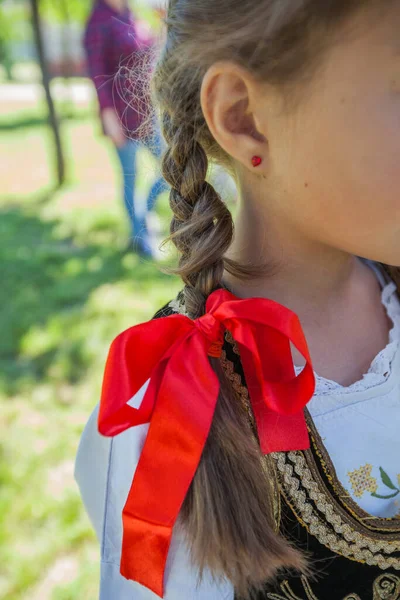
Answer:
(180, 402)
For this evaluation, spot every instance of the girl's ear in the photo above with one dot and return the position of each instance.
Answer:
(229, 103)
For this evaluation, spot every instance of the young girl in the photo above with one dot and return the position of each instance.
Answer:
(254, 447)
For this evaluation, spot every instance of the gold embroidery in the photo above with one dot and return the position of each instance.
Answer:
(385, 587)
(362, 481)
(323, 516)
(341, 497)
(289, 594)
(286, 589)
(235, 380)
(243, 394)
(339, 536)
(229, 338)
(178, 305)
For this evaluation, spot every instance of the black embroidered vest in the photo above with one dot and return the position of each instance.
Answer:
(354, 556)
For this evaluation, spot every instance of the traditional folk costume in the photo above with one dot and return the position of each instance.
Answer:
(336, 455)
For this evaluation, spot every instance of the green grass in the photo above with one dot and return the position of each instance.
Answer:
(67, 289)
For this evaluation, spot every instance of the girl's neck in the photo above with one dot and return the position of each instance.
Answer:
(336, 296)
(309, 277)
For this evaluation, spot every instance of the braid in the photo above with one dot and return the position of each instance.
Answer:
(230, 531)
(202, 226)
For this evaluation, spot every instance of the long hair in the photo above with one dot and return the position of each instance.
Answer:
(228, 513)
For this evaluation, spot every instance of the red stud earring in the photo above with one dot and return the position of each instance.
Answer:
(256, 161)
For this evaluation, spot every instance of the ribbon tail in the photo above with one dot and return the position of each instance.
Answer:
(186, 399)
(277, 397)
(145, 540)
(276, 432)
(281, 433)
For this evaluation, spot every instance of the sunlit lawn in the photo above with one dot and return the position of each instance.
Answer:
(67, 288)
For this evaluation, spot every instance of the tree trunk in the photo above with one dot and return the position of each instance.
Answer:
(53, 120)
(68, 108)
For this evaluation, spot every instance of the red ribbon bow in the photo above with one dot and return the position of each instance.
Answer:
(180, 401)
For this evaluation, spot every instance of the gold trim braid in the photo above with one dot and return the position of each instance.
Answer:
(317, 511)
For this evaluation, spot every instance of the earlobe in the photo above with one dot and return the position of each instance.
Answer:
(256, 161)
(226, 100)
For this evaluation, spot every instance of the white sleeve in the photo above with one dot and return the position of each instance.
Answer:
(104, 471)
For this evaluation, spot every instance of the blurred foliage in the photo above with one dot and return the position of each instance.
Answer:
(65, 10)
(11, 15)
(78, 10)
(15, 26)
(68, 287)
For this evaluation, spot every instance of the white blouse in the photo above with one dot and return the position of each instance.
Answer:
(359, 426)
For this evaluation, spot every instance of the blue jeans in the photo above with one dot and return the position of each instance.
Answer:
(127, 155)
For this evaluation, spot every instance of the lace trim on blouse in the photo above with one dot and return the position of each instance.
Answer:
(380, 368)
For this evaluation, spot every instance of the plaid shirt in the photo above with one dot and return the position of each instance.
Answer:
(115, 46)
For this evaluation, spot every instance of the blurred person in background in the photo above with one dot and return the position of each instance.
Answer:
(117, 48)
